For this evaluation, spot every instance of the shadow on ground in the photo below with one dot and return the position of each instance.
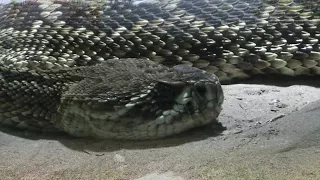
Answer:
(98, 145)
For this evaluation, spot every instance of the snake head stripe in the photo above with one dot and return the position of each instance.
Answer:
(137, 99)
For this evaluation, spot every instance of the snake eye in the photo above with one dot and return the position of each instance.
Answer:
(201, 89)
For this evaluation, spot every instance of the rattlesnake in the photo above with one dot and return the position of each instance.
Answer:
(143, 70)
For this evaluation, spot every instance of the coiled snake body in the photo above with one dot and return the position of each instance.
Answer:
(129, 70)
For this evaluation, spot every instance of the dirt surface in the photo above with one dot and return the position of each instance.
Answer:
(267, 132)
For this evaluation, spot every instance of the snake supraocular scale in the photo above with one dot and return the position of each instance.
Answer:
(82, 67)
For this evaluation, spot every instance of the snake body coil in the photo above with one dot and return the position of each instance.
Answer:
(128, 70)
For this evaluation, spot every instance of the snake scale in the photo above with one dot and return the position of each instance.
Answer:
(143, 69)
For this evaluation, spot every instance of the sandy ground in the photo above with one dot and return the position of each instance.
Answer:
(267, 132)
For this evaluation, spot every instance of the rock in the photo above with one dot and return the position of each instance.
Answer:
(118, 158)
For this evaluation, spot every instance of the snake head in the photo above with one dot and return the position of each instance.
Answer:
(198, 99)
(139, 99)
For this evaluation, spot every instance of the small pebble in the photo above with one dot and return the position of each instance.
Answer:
(118, 158)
